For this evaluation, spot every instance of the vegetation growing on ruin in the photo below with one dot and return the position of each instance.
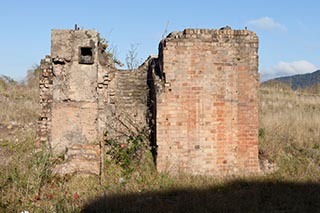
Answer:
(289, 138)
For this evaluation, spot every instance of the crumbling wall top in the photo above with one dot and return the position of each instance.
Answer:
(210, 34)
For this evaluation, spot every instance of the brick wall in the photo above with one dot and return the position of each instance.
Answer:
(125, 111)
(207, 114)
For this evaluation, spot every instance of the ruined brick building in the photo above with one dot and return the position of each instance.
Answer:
(198, 98)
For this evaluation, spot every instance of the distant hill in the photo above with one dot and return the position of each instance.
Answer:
(301, 81)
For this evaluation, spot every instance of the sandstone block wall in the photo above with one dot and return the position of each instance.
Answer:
(207, 114)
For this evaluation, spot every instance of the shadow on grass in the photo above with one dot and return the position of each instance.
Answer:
(237, 196)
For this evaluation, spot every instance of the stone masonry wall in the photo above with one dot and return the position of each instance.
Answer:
(45, 86)
(207, 115)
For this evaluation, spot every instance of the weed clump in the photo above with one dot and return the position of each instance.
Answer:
(128, 154)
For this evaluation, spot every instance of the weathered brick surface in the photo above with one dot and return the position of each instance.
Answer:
(81, 158)
(125, 112)
(207, 116)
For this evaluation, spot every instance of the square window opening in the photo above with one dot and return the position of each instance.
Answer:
(86, 55)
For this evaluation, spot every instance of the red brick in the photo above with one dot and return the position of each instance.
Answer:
(208, 77)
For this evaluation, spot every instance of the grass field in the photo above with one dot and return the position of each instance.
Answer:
(289, 138)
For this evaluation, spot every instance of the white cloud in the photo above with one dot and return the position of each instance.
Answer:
(266, 23)
(283, 68)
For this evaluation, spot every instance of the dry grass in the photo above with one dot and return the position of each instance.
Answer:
(18, 103)
(289, 136)
(290, 131)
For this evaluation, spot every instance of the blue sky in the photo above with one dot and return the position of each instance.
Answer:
(289, 32)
